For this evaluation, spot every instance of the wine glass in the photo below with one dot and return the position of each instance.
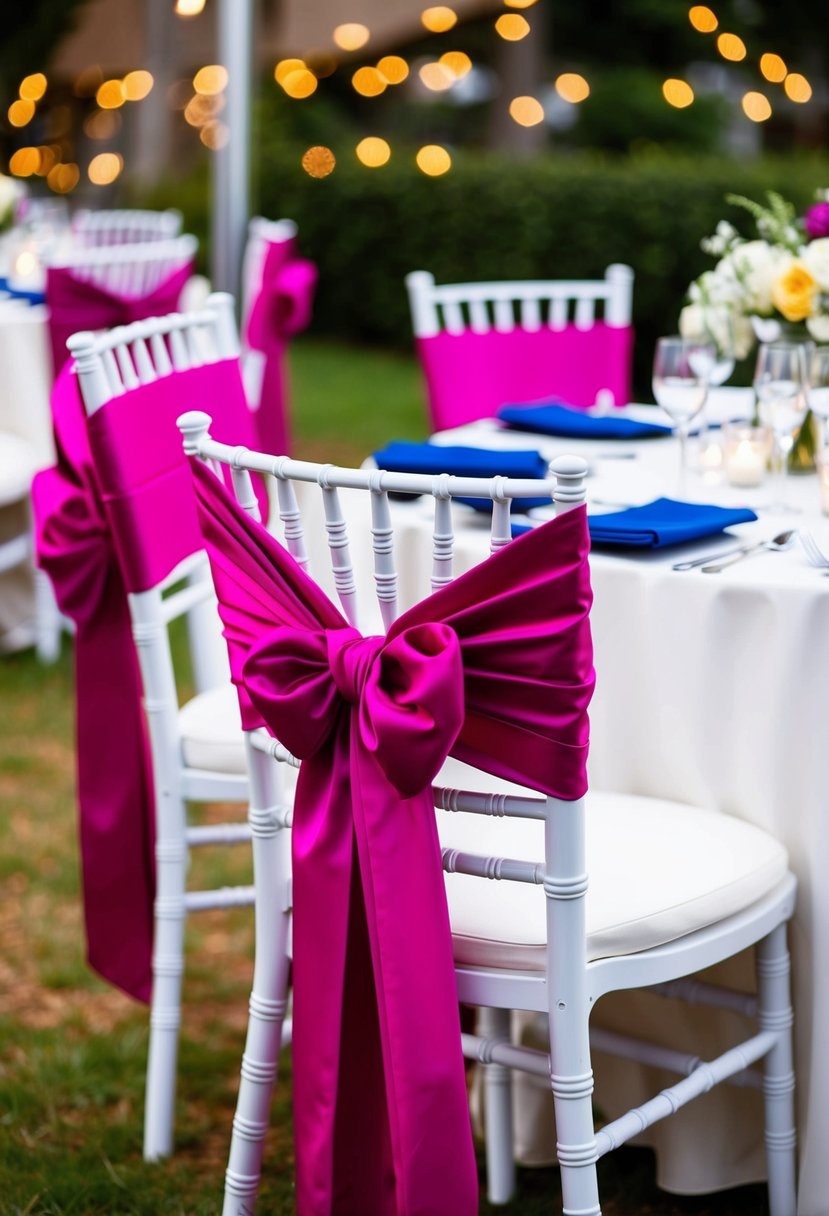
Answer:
(780, 381)
(817, 393)
(680, 384)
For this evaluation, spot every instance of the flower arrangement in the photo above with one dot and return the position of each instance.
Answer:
(758, 285)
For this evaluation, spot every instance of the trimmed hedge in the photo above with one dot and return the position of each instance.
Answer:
(497, 218)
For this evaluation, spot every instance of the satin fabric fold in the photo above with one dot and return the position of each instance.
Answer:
(281, 308)
(75, 305)
(495, 668)
(117, 514)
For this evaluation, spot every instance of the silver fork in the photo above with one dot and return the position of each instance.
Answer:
(814, 553)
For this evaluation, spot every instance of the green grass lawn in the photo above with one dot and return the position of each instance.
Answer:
(72, 1050)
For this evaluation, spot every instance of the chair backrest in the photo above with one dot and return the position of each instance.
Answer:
(262, 233)
(132, 270)
(484, 345)
(124, 227)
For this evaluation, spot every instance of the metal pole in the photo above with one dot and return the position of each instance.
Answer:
(231, 164)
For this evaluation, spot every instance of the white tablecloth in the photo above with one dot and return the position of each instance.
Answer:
(713, 689)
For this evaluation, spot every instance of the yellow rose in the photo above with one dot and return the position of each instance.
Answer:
(794, 292)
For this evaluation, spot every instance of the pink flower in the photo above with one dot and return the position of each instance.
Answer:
(816, 221)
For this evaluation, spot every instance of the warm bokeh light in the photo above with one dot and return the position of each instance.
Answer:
(210, 79)
(773, 67)
(703, 19)
(110, 95)
(512, 27)
(373, 152)
(393, 69)
(439, 19)
(189, 8)
(526, 111)
(351, 36)
(102, 124)
(104, 168)
(457, 62)
(286, 66)
(519, 3)
(436, 77)
(677, 93)
(137, 85)
(756, 106)
(300, 84)
(21, 112)
(368, 82)
(200, 109)
(49, 156)
(797, 87)
(732, 47)
(214, 134)
(63, 178)
(433, 160)
(33, 87)
(25, 161)
(87, 82)
(570, 86)
(319, 161)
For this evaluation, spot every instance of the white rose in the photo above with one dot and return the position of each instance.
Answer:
(818, 327)
(815, 258)
(692, 321)
(756, 265)
(731, 333)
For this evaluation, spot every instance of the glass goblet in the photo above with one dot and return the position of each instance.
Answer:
(780, 383)
(817, 392)
(680, 385)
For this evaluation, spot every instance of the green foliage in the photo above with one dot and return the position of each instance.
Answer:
(30, 33)
(626, 111)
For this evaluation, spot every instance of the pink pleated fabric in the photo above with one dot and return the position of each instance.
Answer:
(495, 668)
(281, 309)
(471, 375)
(75, 305)
(117, 514)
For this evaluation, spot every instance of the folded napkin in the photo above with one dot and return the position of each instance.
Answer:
(664, 522)
(19, 293)
(400, 456)
(557, 419)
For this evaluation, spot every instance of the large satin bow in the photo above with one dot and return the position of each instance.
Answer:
(496, 668)
(75, 548)
(75, 305)
(282, 308)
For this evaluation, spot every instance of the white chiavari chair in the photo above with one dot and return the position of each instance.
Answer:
(672, 889)
(198, 751)
(125, 226)
(131, 270)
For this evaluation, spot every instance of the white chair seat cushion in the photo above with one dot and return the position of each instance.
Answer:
(657, 871)
(18, 465)
(211, 732)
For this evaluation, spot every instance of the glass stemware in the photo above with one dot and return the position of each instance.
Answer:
(817, 394)
(681, 368)
(780, 381)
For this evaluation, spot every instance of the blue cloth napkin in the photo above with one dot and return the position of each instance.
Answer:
(400, 456)
(659, 523)
(557, 419)
(32, 297)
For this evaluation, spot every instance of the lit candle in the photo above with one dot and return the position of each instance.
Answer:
(747, 451)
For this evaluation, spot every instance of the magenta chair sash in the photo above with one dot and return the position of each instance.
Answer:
(496, 669)
(471, 375)
(121, 522)
(281, 309)
(76, 305)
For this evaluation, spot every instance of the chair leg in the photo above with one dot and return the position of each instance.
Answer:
(500, 1162)
(572, 1087)
(165, 1017)
(268, 1000)
(775, 1013)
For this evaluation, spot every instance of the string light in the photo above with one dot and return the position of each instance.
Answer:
(393, 69)
(678, 93)
(456, 62)
(210, 79)
(732, 47)
(439, 19)
(433, 160)
(351, 36)
(24, 162)
(189, 8)
(137, 85)
(572, 87)
(63, 178)
(33, 87)
(519, 3)
(300, 84)
(702, 19)
(214, 135)
(756, 106)
(797, 88)
(319, 161)
(368, 82)
(512, 27)
(373, 152)
(436, 76)
(49, 156)
(526, 111)
(21, 112)
(110, 94)
(104, 168)
(773, 67)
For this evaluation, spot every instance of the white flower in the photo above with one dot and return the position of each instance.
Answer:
(815, 258)
(731, 333)
(818, 327)
(756, 265)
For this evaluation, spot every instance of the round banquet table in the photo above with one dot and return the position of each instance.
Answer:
(712, 689)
